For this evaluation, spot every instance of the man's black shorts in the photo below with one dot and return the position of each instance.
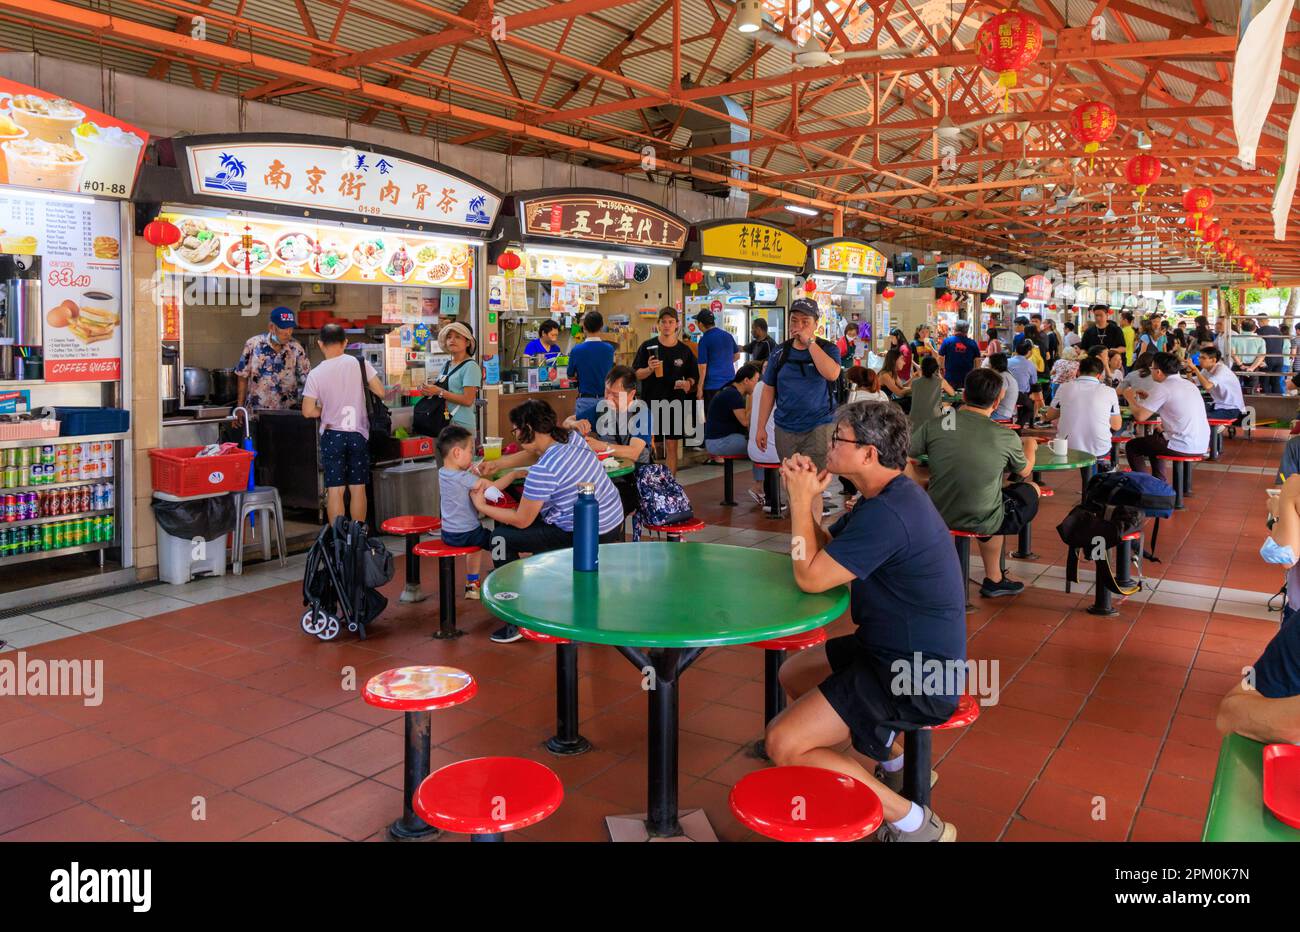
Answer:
(860, 690)
(1019, 505)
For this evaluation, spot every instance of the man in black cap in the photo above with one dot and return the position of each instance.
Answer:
(273, 367)
(802, 372)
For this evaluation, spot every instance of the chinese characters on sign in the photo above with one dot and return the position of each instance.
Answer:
(315, 176)
(752, 242)
(603, 220)
(1038, 288)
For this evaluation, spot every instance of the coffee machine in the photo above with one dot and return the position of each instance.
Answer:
(21, 334)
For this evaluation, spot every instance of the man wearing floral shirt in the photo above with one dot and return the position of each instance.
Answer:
(273, 366)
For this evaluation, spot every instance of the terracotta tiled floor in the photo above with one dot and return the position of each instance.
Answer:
(229, 701)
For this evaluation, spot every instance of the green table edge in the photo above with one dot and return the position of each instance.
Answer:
(1238, 786)
(1085, 460)
(503, 611)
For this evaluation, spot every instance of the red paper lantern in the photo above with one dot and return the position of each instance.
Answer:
(1142, 171)
(1198, 202)
(1211, 234)
(887, 293)
(810, 286)
(1092, 123)
(162, 233)
(990, 302)
(509, 261)
(1224, 246)
(1024, 305)
(693, 277)
(1051, 307)
(1008, 43)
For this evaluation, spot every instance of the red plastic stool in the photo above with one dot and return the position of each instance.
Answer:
(774, 654)
(1115, 444)
(1025, 538)
(416, 691)
(962, 540)
(831, 806)
(412, 527)
(1101, 604)
(446, 555)
(1216, 435)
(566, 740)
(729, 476)
(1008, 423)
(1182, 474)
(488, 796)
(916, 750)
(771, 488)
(674, 532)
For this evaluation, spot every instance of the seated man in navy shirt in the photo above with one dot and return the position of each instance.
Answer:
(959, 353)
(1265, 705)
(908, 601)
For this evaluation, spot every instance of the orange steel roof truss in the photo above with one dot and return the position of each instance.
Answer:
(850, 104)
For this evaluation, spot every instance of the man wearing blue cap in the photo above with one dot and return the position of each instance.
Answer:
(273, 367)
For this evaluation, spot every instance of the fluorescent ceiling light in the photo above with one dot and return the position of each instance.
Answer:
(798, 209)
(737, 270)
(641, 260)
(749, 15)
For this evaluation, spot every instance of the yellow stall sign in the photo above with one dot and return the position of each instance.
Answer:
(753, 242)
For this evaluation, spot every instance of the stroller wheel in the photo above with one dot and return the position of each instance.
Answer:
(330, 630)
(314, 622)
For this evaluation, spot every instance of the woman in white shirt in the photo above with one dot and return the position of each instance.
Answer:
(864, 385)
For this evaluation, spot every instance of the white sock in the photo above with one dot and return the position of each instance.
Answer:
(893, 765)
(912, 821)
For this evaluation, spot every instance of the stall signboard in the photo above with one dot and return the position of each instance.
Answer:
(1008, 284)
(1038, 288)
(968, 276)
(752, 242)
(601, 221)
(847, 258)
(315, 174)
(314, 252)
(81, 279)
(56, 144)
(1085, 295)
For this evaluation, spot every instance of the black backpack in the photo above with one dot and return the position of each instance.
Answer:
(377, 413)
(836, 391)
(430, 415)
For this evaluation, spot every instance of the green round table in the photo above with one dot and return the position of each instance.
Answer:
(661, 605)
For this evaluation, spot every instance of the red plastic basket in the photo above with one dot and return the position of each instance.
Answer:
(177, 471)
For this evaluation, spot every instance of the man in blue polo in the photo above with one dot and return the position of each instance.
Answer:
(959, 353)
(717, 354)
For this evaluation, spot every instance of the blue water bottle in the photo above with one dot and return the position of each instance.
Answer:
(586, 529)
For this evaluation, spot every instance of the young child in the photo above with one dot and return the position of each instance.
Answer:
(460, 519)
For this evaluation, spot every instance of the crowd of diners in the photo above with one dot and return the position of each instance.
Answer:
(907, 453)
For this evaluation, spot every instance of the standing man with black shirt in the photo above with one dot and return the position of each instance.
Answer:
(669, 374)
(1105, 333)
(759, 350)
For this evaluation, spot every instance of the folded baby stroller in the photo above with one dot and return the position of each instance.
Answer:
(345, 568)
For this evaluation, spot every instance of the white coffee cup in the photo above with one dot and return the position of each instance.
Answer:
(1060, 446)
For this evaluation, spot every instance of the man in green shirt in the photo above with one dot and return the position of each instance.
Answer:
(968, 457)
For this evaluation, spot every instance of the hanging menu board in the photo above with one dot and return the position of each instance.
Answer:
(313, 252)
(1038, 288)
(78, 245)
(49, 142)
(968, 276)
(847, 258)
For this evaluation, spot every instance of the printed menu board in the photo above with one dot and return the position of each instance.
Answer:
(78, 246)
(1038, 288)
(277, 249)
(848, 258)
(968, 276)
(49, 142)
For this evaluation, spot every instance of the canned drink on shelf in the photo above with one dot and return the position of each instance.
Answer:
(11, 457)
(10, 476)
(86, 504)
(24, 456)
(11, 507)
(61, 454)
(47, 537)
(58, 536)
(108, 527)
(47, 454)
(24, 476)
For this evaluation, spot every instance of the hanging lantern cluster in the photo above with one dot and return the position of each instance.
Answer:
(1142, 171)
(1008, 43)
(1092, 123)
(1198, 202)
(693, 277)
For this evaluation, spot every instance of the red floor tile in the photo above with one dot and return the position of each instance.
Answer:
(298, 785)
